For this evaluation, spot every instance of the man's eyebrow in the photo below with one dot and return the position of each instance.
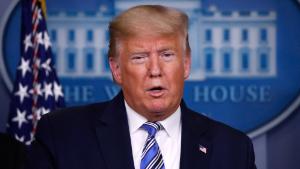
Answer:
(165, 49)
(138, 53)
(144, 51)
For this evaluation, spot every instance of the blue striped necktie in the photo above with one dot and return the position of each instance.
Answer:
(151, 156)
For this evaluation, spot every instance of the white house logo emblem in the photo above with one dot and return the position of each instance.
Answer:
(245, 61)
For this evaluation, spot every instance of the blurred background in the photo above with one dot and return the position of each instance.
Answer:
(245, 64)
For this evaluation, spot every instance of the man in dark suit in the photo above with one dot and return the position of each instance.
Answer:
(12, 152)
(147, 125)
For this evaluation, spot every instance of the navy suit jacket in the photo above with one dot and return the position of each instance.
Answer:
(97, 137)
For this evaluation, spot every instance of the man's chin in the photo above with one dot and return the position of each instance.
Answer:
(157, 106)
(158, 112)
(157, 116)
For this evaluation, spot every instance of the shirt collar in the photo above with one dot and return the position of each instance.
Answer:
(135, 120)
(171, 124)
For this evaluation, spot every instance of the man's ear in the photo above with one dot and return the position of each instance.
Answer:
(115, 69)
(187, 65)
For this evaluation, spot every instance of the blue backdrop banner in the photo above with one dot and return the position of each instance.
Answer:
(245, 55)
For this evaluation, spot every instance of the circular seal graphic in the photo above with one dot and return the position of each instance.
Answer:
(245, 61)
(4, 20)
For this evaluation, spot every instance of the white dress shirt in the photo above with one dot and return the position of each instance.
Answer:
(168, 139)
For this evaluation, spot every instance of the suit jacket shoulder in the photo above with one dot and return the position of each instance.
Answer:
(216, 145)
(72, 114)
(92, 136)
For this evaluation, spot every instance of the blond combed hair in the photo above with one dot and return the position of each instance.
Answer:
(153, 20)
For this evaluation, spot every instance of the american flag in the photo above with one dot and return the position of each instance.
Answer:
(36, 90)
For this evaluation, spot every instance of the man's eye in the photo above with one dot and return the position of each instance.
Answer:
(138, 58)
(168, 56)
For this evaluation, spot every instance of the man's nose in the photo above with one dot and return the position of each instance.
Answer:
(155, 66)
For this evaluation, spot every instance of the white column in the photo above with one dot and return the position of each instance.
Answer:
(254, 44)
(80, 45)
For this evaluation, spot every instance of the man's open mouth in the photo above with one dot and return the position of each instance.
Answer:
(156, 91)
(156, 88)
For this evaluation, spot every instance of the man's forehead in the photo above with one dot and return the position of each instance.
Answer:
(148, 42)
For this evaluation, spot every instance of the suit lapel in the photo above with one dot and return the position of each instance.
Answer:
(195, 142)
(113, 135)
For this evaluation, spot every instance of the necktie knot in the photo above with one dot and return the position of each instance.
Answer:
(152, 128)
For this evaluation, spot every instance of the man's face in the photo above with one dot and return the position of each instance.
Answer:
(151, 72)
